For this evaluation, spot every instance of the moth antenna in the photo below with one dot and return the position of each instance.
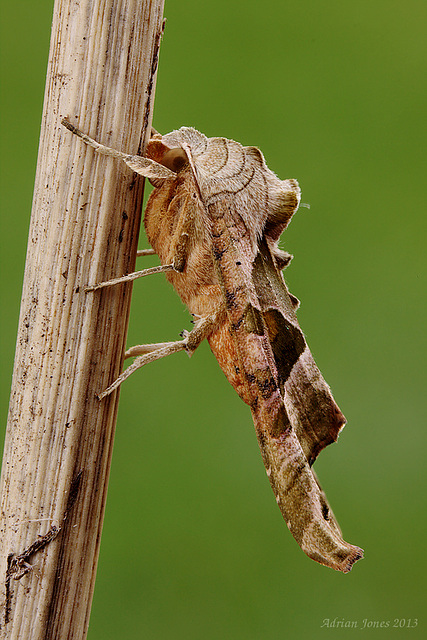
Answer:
(144, 166)
(100, 148)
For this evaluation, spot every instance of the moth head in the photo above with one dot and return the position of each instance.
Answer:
(174, 159)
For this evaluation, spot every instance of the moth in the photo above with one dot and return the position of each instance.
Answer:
(214, 219)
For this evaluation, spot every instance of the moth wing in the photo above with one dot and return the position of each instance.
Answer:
(262, 343)
(313, 411)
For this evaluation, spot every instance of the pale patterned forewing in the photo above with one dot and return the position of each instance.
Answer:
(224, 168)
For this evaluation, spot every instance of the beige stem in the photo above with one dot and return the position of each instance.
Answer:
(84, 228)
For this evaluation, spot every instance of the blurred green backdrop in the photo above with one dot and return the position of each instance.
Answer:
(193, 543)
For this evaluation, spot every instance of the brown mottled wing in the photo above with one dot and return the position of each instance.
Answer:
(311, 408)
(254, 329)
(260, 345)
(313, 412)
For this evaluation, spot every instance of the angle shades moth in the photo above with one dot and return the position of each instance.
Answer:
(214, 219)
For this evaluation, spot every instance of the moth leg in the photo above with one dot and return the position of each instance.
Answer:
(130, 276)
(145, 252)
(145, 167)
(173, 347)
(141, 349)
(152, 352)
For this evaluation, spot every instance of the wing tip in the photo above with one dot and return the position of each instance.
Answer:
(356, 553)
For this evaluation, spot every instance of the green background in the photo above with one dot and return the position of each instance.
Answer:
(193, 543)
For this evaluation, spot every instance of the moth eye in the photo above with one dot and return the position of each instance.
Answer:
(175, 159)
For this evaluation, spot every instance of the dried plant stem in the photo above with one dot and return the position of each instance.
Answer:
(84, 229)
